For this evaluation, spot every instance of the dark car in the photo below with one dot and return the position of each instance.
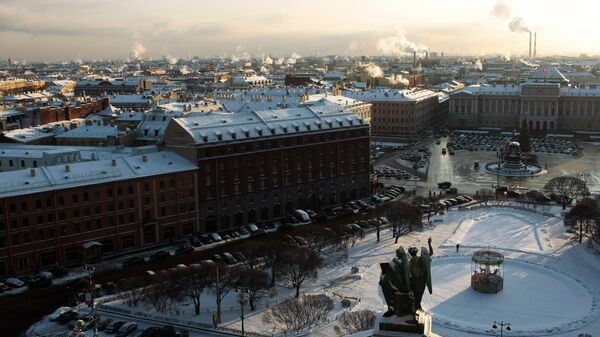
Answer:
(228, 258)
(66, 317)
(58, 271)
(134, 261)
(239, 256)
(127, 329)
(104, 323)
(150, 332)
(114, 326)
(160, 255)
(513, 194)
(205, 239)
(39, 282)
(444, 185)
(166, 331)
(452, 190)
(218, 258)
(184, 250)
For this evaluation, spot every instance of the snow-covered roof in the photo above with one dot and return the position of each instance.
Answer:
(92, 131)
(390, 95)
(8, 113)
(217, 127)
(91, 172)
(547, 73)
(497, 89)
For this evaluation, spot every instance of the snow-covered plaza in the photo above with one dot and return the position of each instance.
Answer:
(551, 282)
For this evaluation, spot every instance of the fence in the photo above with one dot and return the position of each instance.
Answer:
(171, 320)
(500, 204)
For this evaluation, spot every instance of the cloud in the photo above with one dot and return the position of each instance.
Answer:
(501, 10)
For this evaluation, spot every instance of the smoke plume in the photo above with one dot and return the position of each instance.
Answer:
(137, 50)
(398, 45)
(373, 70)
(517, 25)
(501, 10)
(295, 56)
(398, 79)
(268, 61)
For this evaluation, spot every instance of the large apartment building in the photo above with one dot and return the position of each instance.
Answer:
(259, 165)
(400, 112)
(83, 210)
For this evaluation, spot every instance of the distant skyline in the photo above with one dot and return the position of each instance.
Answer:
(51, 30)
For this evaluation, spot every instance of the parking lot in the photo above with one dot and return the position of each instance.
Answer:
(459, 167)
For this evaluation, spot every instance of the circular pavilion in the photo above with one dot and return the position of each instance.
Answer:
(487, 272)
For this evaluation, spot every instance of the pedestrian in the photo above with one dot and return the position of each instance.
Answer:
(457, 247)
(430, 193)
(394, 232)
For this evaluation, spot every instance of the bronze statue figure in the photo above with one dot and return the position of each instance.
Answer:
(403, 281)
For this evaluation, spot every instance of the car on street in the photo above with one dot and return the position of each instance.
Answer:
(127, 329)
(104, 323)
(66, 317)
(215, 237)
(452, 190)
(134, 261)
(114, 326)
(159, 255)
(184, 250)
(444, 185)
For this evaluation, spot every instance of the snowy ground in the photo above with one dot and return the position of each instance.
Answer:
(551, 282)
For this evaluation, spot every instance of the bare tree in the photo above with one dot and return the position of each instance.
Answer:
(271, 250)
(256, 282)
(585, 212)
(193, 281)
(486, 194)
(352, 322)
(404, 218)
(324, 241)
(163, 294)
(224, 278)
(567, 188)
(129, 292)
(299, 313)
(297, 264)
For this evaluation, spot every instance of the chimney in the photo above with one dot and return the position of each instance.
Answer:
(114, 162)
(67, 168)
(534, 44)
(529, 44)
(33, 172)
(414, 59)
(426, 55)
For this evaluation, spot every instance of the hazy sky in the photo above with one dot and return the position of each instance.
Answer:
(70, 29)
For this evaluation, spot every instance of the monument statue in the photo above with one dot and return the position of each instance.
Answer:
(403, 280)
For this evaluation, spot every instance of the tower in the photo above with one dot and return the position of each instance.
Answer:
(529, 44)
(534, 44)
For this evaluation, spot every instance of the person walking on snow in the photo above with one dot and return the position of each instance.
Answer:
(457, 247)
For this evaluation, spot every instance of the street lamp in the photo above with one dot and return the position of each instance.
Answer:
(242, 301)
(502, 325)
(90, 269)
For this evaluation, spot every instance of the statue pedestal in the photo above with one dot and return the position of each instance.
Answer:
(404, 326)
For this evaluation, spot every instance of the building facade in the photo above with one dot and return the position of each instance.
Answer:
(546, 107)
(82, 211)
(260, 165)
(400, 112)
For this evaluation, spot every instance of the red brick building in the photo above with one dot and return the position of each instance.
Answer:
(259, 165)
(82, 211)
(49, 114)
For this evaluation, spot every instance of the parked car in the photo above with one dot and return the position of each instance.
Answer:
(452, 190)
(66, 317)
(127, 329)
(39, 282)
(218, 258)
(90, 321)
(364, 207)
(444, 185)
(301, 216)
(54, 316)
(114, 326)
(150, 332)
(513, 194)
(14, 282)
(160, 255)
(205, 239)
(215, 237)
(184, 250)
(134, 261)
(239, 256)
(228, 258)
(104, 323)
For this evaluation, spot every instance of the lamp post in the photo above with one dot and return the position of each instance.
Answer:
(242, 301)
(90, 269)
(502, 325)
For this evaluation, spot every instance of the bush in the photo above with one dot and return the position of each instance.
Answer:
(299, 313)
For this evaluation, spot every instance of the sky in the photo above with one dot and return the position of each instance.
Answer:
(53, 30)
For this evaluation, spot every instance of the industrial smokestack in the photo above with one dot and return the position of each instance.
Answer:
(426, 55)
(414, 59)
(529, 44)
(534, 44)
